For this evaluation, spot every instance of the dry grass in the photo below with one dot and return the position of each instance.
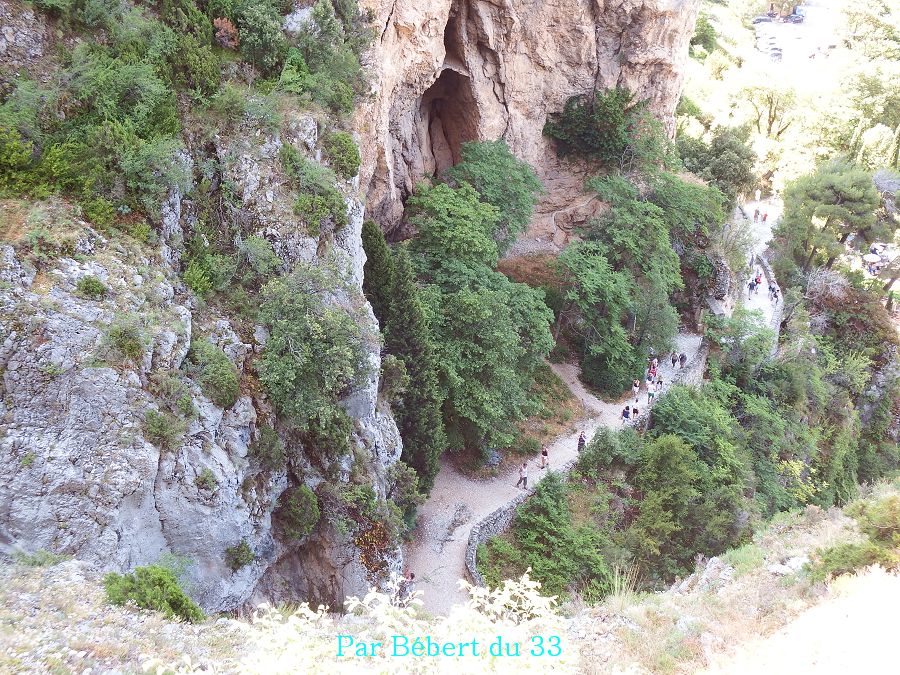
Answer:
(682, 633)
(13, 214)
(56, 619)
(535, 270)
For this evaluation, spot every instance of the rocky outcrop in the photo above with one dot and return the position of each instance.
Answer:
(80, 473)
(452, 71)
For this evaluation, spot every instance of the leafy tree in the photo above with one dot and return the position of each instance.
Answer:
(669, 476)
(774, 107)
(452, 224)
(704, 33)
(261, 39)
(378, 272)
(504, 182)
(824, 209)
(726, 162)
(489, 337)
(562, 557)
(418, 411)
(316, 349)
(488, 332)
(601, 296)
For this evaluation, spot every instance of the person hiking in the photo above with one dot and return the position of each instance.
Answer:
(581, 441)
(405, 588)
(659, 384)
(651, 392)
(635, 389)
(626, 414)
(545, 461)
(765, 216)
(756, 216)
(654, 363)
(752, 287)
(674, 359)
(682, 359)
(634, 412)
(523, 475)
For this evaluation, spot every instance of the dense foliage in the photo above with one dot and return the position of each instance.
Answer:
(152, 587)
(315, 352)
(595, 126)
(506, 183)
(489, 333)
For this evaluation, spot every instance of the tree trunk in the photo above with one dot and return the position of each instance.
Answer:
(831, 259)
(809, 260)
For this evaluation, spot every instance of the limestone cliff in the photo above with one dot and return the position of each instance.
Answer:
(451, 71)
(79, 472)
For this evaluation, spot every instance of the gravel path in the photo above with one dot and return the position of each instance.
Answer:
(437, 553)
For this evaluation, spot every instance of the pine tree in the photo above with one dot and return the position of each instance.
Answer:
(378, 273)
(418, 413)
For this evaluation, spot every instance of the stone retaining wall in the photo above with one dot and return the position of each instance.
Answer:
(778, 311)
(499, 520)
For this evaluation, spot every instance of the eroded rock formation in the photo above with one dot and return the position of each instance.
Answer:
(451, 71)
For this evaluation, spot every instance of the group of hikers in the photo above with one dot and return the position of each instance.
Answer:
(654, 386)
(653, 383)
(545, 461)
(756, 282)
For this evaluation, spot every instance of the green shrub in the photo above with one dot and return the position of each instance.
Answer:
(100, 212)
(847, 558)
(260, 256)
(880, 519)
(595, 126)
(239, 555)
(608, 448)
(206, 480)
(319, 198)
(217, 375)
(162, 429)
(527, 446)
(91, 287)
(562, 557)
(704, 34)
(152, 587)
(315, 352)
(342, 153)
(261, 40)
(268, 448)
(40, 558)
(126, 339)
(299, 512)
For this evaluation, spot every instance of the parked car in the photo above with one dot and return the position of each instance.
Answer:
(762, 19)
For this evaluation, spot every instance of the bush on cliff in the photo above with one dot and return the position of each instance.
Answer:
(152, 587)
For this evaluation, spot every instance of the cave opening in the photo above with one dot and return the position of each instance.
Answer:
(449, 115)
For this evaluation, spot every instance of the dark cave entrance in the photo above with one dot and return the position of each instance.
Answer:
(450, 115)
(448, 109)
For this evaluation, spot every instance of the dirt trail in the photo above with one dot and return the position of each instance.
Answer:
(437, 553)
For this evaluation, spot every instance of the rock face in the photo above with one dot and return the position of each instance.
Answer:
(79, 471)
(452, 71)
